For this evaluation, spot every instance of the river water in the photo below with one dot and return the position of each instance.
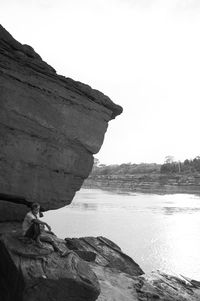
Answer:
(157, 231)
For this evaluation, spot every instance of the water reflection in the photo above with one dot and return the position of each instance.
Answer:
(86, 206)
(157, 231)
(166, 210)
(175, 210)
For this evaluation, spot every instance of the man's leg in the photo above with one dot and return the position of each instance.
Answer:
(34, 233)
(48, 239)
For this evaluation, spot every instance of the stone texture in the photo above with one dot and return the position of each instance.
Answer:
(164, 287)
(29, 273)
(12, 212)
(121, 278)
(107, 274)
(115, 285)
(118, 286)
(108, 254)
(50, 127)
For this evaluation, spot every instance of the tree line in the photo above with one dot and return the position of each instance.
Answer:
(169, 166)
(188, 166)
(124, 169)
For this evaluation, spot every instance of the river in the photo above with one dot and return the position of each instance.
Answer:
(157, 231)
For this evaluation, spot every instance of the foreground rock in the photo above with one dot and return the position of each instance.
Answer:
(108, 254)
(160, 286)
(50, 127)
(96, 269)
(121, 279)
(118, 286)
(29, 273)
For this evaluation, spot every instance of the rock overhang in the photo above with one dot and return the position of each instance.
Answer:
(50, 127)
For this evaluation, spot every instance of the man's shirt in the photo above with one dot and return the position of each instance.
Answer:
(28, 221)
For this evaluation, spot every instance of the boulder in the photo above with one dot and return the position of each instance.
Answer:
(118, 286)
(50, 127)
(121, 278)
(161, 286)
(108, 254)
(30, 273)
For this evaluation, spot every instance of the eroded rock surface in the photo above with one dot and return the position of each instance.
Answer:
(121, 279)
(164, 287)
(97, 269)
(118, 286)
(30, 273)
(108, 254)
(50, 127)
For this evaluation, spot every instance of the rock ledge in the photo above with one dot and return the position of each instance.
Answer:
(50, 127)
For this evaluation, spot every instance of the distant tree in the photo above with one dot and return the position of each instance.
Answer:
(166, 168)
(196, 163)
(169, 159)
(186, 162)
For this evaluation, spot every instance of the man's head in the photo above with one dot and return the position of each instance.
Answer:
(35, 208)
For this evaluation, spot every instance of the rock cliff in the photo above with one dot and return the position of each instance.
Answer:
(50, 127)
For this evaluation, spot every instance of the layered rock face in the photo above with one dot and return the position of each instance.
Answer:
(50, 127)
(29, 273)
(121, 279)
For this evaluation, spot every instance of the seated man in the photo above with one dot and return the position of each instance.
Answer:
(34, 228)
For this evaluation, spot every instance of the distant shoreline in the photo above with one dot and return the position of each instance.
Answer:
(152, 187)
(149, 191)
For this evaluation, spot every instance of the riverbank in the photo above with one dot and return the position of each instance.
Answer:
(94, 268)
(146, 183)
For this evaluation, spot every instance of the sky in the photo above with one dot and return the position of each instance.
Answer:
(143, 54)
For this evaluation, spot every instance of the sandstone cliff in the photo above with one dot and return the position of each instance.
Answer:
(50, 127)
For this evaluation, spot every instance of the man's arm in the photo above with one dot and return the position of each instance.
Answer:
(37, 221)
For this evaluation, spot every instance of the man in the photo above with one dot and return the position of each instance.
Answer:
(34, 228)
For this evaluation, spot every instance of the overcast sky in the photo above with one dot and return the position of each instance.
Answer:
(143, 54)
